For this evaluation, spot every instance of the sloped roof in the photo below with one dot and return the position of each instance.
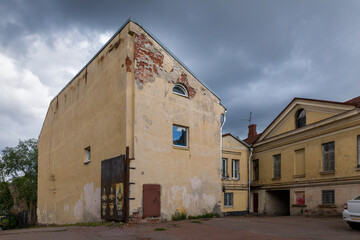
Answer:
(153, 37)
(241, 141)
(252, 139)
(353, 102)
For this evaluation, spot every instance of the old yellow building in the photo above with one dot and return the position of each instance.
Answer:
(307, 160)
(234, 175)
(133, 93)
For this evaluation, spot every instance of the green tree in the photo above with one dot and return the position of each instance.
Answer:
(19, 167)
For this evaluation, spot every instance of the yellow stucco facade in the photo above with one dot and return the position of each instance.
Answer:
(124, 97)
(234, 175)
(311, 169)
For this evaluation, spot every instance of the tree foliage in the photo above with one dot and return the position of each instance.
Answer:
(19, 166)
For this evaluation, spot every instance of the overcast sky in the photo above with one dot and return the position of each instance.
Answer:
(256, 55)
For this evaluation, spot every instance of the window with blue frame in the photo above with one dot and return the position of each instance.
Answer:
(180, 136)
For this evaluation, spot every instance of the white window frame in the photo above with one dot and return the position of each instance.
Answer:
(183, 88)
(187, 136)
(235, 169)
(87, 155)
(224, 168)
(229, 199)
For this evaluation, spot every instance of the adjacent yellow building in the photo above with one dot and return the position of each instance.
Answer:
(133, 93)
(307, 160)
(234, 175)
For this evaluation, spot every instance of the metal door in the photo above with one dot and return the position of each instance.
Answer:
(112, 188)
(151, 200)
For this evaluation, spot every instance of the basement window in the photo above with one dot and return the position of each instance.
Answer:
(228, 199)
(328, 197)
(180, 90)
(87, 155)
(180, 136)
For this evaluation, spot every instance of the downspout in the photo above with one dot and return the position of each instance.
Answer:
(249, 181)
(221, 143)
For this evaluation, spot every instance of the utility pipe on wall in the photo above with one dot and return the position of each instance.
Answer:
(221, 143)
(249, 181)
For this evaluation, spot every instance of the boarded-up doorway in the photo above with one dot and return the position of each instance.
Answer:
(151, 200)
(113, 189)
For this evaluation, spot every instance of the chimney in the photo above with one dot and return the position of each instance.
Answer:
(252, 130)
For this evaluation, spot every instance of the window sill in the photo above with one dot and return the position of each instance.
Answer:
(276, 178)
(228, 206)
(299, 176)
(181, 148)
(327, 172)
(327, 206)
(235, 179)
(295, 205)
(357, 168)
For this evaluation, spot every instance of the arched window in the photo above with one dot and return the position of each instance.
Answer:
(301, 118)
(180, 89)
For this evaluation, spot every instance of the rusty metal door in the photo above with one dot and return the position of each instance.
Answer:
(256, 202)
(112, 188)
(151, 200)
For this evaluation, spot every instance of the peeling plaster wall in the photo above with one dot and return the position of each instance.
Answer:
(189, 177)
(90, 111)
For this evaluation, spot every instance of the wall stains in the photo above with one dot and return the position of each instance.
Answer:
(128, 64)
(115, 45)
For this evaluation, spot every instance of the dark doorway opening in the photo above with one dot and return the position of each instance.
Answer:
(255, 202)
(278, 202)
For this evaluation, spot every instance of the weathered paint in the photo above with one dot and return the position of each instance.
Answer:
(124, 98)
(322, 127)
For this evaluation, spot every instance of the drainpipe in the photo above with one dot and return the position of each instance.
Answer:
(249, 181)
(221, 143)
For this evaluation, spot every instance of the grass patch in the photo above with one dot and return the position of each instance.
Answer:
(177, 216)
(160, 229)
(195, 221)
(206, 215)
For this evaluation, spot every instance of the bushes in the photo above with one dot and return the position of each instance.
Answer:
(177, 216)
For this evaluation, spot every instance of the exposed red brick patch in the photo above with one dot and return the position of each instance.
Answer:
(183, 79)
(128, 64)
(148, 59)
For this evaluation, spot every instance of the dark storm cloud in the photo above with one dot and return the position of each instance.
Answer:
(256, 55)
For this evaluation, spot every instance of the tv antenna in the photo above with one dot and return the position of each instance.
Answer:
(248, 119)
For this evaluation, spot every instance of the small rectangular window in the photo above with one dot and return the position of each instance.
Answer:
(235, 169)
(228, 199)
(224, 168)
(328, 197)
(87, 155)
(256, 169)
(328, 152)
(358, 150)
(180, 136)
(277, 166)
